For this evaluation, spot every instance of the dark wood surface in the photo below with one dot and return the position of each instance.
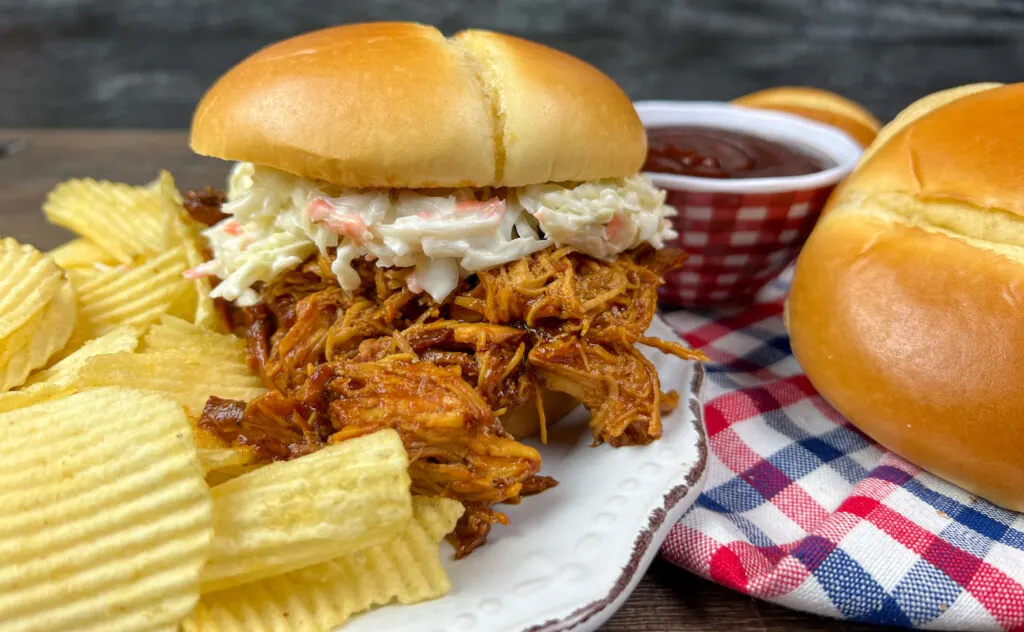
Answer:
(668, 598)
(123, 63)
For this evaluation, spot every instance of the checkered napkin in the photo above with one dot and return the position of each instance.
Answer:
(803, 510)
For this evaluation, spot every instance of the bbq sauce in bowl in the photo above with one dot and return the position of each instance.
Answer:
(708, 152)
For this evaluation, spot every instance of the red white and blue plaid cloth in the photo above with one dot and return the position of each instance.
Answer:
(803, 510)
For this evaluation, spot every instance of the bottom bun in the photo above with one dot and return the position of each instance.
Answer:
(524, 421)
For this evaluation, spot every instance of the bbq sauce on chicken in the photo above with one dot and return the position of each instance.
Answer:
(343, 364)
(340, 364)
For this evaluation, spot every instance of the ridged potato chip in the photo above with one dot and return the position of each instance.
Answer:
(293, 514)
(124, 220)
(82, 253)
(120, 340)
(35, 394)
(172, 341)
(406, 569)
(190, 381)
(35, 342)
(181, 230)
(187, 364)
(28, 282)
(136, 296)
(14, 354)
(121, 223)
(79, 276)
(222, 464)
(130, 225)
(107, 521)
(187, 380)
(174, 335)
(61, 379)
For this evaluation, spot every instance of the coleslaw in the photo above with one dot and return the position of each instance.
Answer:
(278, 220)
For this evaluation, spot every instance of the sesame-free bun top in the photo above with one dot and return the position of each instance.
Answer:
(919, 108)
(907, 305)
(818, 105)
(400, 105)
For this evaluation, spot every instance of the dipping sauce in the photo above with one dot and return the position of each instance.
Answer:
(708, 152)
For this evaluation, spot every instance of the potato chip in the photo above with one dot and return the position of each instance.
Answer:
(128, 224)
(15, 355)
(406, 569)
(436, 516)
(135, 296)
(222, 464)
(189, 381)
(188, 364)
(61, 379)
(82, 253)
(293, 514)
(35, 342)
(107, 521)
(220, 461)
(35, 394)
(28, 281)
(181, 230)
(122, 339)
(207, 315)
(182, 342)
(178, 336)
(79, 276)
(124, 220)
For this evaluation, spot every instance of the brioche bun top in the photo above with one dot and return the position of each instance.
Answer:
(399, 105)
(964, 152)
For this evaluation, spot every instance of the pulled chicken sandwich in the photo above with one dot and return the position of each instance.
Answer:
(444, 236)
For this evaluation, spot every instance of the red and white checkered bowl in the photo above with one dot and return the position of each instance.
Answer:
(740, 233)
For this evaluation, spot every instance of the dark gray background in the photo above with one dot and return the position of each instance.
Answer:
(138, 63)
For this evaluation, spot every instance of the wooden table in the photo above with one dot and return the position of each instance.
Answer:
(668, 599)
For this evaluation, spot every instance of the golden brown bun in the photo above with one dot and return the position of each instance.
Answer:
(561, 119)
(907, 301)
(399, 105)
(919, 108)
(331, 105)
(524, 421)
(819, 105)
(968, 151)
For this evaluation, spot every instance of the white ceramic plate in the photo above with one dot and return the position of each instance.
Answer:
(571, 556)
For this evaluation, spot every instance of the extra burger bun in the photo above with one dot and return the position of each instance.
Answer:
(524, 421)
(819, 105)
(907, 305)
(399, 105)
(919, 108)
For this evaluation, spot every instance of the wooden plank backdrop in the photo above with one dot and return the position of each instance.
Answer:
(132, 63)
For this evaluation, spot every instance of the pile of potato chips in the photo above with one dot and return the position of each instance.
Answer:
(37, 311)
(119, 512)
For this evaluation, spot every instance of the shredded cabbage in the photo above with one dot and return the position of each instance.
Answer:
(278, 220)
(601, 218)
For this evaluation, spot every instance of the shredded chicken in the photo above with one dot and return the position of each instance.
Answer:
(615, 382)
(343, 364)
